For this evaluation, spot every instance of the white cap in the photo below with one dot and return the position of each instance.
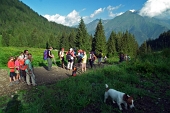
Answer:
(71, 49)
(21, 57)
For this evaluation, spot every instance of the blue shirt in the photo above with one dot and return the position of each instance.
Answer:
(28, 63)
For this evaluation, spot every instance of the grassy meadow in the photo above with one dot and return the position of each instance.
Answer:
(146, 78)
(37, 54)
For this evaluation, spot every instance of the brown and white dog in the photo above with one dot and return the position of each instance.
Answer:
(119, 97)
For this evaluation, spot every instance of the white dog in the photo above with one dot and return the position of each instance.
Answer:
(119, 97)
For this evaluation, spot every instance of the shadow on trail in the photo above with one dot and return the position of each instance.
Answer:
(14, 105)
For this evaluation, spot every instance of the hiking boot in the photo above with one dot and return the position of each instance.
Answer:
(10, 84)
(29, 84)
(16, 82)
(34, 84)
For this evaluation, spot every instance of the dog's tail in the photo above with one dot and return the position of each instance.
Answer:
(106, 86)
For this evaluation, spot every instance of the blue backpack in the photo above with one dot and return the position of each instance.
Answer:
(45, 55)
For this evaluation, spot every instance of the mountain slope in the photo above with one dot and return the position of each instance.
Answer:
(143, 28)
(19, 23)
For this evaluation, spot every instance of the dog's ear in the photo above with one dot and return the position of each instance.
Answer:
(125, 97)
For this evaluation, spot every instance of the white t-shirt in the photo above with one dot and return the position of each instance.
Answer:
(61, 53)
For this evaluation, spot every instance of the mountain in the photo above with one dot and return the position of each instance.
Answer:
(143, 28)
(21, 26)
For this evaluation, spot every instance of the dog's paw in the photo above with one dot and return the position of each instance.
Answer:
(120, 109)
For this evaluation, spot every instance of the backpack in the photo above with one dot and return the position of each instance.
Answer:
(68, 56)
(45, 55)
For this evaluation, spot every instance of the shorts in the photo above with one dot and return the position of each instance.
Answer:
(83, 65)
(70, 60)
(62, 59)
(16, 71)
(12, 74)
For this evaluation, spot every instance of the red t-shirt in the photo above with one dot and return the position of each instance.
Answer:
(22, 65)
(11, 66)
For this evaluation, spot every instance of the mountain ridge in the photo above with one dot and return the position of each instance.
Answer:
(143, 28)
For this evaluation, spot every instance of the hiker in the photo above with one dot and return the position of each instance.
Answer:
(79, 56)
(70, 56)
(121, 57)
(100, 58)
(25, 54)
(128, 58)
(21, 56)
(74, 61)
(49, 58)
(92, 59)
(17, 68)
(105, 58)
(61, 55)
(29, 70)
(22, 67)
(11, 66)
(74, 71)
(84, 61)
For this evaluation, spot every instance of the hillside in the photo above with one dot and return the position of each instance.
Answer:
(160, 43)
(143, 28)
(19, 23)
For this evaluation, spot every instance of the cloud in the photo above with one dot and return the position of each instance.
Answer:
(156, 8)
(111, 9)
(96, 12)
(132, 10)
(72, 18)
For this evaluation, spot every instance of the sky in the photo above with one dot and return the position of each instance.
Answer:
(69, 12)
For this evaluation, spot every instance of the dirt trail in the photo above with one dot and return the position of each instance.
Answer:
(42, 77)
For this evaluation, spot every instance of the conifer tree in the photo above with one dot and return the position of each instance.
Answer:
(149, 50)
(118, 41)
(64, 41)
(111, 49)
(5, 39)
(72, 39)
(99, 39)
(91, 42)
(82, 37)
(52, 41)
(143, 48)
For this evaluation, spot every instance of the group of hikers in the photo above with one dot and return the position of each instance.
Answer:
(21, 69)
(124, 57)
(74, 59)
